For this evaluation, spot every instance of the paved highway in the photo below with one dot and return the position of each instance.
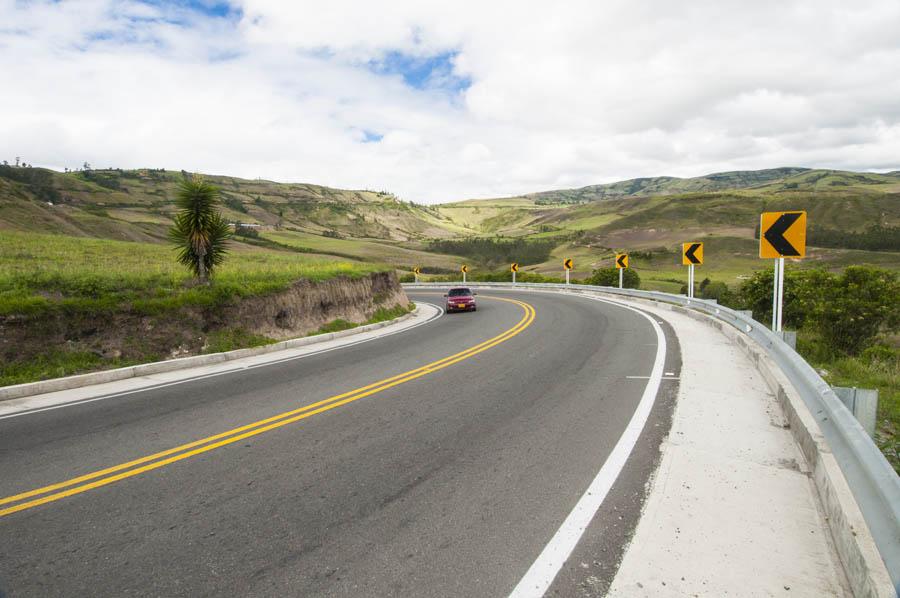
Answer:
(436, 462)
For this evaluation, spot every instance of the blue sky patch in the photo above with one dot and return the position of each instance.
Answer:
(208, 8)
(372, 136)
(422, 72)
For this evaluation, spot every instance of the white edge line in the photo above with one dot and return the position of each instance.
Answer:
(543, 571)
(242, 368)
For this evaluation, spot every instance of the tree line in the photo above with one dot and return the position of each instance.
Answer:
(496, 251)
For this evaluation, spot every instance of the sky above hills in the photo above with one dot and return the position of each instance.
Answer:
(443, 101)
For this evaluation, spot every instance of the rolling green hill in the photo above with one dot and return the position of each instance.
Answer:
(649, 216)
(138, 205)
(667, 185)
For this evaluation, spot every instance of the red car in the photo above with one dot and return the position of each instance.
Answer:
(461, 299)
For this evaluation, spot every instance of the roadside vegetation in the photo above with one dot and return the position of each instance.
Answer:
(199, 231)
(49, 279)
(60, 274)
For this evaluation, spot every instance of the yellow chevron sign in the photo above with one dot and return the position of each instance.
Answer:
(464, 269)
(782, 234)
(514, 267)
(621, 260)
(568, 265)
(691, 254)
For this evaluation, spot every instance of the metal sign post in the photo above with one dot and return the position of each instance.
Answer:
(514, 267)
(691, 281)
(775, 297)
(514, 277)
(567, 277)
(568, 265)
(779, 296)
(621, 264)
(464, 269)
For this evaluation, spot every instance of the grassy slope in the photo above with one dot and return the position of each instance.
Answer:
(50, 272)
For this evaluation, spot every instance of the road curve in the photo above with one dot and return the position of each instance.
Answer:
(435, 462)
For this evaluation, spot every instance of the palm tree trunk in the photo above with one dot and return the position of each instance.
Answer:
(201, 264)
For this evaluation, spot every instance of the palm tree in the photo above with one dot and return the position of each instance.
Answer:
(200, 232)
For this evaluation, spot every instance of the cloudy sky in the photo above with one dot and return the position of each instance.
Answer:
(442, 101)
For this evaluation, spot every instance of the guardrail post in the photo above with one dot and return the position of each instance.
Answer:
(789, 337)
(862, 403)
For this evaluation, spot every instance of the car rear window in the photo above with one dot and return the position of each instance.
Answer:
(459, 292)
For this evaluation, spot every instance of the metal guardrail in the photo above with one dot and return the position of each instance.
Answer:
(874, 483)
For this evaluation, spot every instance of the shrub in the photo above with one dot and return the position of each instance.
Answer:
(848, 310)
(856, 306)
(609, 277)
(246, 231)
(496, 251)
(800, 295)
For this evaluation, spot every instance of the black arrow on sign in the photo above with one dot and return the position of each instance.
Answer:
(775, 234)
(621, 260)
(689, 254)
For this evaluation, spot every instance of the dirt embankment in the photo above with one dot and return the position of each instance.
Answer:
(306, 306)
(124, 337)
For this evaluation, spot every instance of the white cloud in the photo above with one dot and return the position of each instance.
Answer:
(569, 94)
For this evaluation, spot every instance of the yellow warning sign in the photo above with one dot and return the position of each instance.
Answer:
(691, 254)
(782, 234)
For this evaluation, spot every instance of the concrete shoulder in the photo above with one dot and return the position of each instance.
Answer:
(733, 508)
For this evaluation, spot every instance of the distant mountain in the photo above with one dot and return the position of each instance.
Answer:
(667, 185)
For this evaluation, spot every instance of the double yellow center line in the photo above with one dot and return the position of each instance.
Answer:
(54, 492)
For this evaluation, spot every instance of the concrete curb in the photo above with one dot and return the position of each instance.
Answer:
(19, 391)
(865, 571)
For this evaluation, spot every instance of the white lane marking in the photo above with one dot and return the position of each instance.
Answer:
(548, 564)
(242, 368)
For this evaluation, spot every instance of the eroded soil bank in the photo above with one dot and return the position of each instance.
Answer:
(40, 347)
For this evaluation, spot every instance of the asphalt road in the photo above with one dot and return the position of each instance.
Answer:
(445, 482)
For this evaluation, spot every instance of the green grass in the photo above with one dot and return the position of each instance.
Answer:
(230, 339)
(336, 326)
(55, 363)
(41, 273)
(382, 314)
